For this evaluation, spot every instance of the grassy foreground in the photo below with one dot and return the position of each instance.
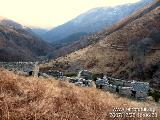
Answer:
(28, 98)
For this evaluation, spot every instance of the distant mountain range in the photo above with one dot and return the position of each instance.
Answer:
(39, 31)
(94, 20)
(19, 43)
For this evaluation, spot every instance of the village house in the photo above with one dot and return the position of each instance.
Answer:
(139, 89)
(135, 89)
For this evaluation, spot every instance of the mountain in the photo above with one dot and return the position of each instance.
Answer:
(39, 31)
(129, 49)
(93, 21)
(73, 43)
(18, 43)
(10, 23)
(66, 47)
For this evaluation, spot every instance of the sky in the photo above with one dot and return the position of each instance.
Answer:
(50, 13)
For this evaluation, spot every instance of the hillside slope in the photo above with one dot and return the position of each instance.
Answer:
(19, 44)
(130, 52)
(94, 38)
(31, 98)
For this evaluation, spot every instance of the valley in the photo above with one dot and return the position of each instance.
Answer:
(134, 53)
(103, 64)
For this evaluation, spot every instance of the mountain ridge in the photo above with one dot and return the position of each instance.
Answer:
(93, 38)
(88, 23)
(18, 43)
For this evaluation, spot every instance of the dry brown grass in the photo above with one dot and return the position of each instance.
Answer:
(27, 98)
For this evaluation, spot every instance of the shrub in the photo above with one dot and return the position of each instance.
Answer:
(95, 76)
(70, 74)
(155, 94)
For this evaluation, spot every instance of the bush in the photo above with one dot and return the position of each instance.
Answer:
(70, 74)
(155, 94)
(95, 76)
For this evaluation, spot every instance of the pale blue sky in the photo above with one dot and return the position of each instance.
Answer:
(50, 13)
